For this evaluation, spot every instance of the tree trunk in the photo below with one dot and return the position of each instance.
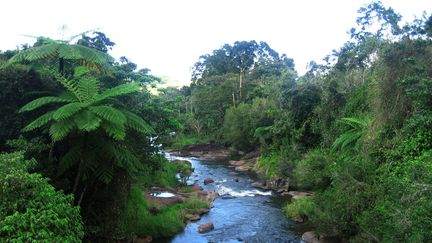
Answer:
(233, 98)
(241, 84)
(81, 164)
(61, 65)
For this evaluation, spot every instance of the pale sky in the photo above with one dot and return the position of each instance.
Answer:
(168, 36)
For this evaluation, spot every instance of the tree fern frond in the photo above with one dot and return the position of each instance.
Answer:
(67, 111)
(119, 90)
(121, 156)
(68, 52)
(137, 123)
(93, 55)
(109, 113)
(59, 130)
(41, 102)
(69, 96)
(105, 172)
(71, 158)
(39, 122)
(87, 121)
(114, 130)
(88, 88)
(69, 84)
(35, 53)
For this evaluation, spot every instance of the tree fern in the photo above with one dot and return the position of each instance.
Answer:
(92, 117)
(116, 131)
(39, 122)
(61, 49)
(137, 123)
(67, 111)
(60, 129)
(109, 113)
(353, 137)
(86, 121)
(119, 90)
(42, 102)
(70, 159)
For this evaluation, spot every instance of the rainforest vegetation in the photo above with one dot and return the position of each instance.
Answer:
(80, 133)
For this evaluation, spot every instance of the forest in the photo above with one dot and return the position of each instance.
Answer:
(80, 134)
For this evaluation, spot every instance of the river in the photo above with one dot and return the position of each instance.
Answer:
(241, 213)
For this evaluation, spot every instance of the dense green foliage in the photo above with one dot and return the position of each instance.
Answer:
(31, 209)
(88, 122)
(356, 129)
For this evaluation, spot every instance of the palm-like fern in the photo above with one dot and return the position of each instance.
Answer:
(354, 137)
(85, 111)
(62, 50)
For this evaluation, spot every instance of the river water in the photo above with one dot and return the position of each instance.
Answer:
(241, 213)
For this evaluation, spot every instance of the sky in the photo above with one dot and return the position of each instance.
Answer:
(168, 36)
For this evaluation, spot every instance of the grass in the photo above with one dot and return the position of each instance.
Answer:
(269, 164)
(165, 176)
(302, 207)
(140, 221)
(181, 141)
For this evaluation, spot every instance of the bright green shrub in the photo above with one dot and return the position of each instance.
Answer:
(269, 163)
(302, 207)
(31, 209)
(138, 220)
(402, 211)
(312, 171)
(241, 122)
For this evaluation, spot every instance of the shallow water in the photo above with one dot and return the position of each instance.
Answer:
(241, 213)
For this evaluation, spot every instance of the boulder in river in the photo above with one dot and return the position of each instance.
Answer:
(208, 181)
(260, 185)
(310, 237)
(203, 228)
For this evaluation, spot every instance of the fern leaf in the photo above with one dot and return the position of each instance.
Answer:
(71, 158)
(39, 122)
(114, 130)
(35, 53)
(88, 88)
(67, 111)
(137, 123)
(121, 156)
(105, 173)
(59, 130)
(87, 121)
(119, 90)
(109, 113)
(32, 105)
(93, 55)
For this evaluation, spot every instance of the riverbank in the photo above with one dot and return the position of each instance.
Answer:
(249, 163)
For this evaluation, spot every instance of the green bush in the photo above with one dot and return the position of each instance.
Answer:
(181, 141)
(138, 219)
(302, 207)
(401, 212)
(164, 176)
(269, 163)
(241, 122)
(31, 209)
(312, 171)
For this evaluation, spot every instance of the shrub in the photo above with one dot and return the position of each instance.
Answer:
(312, 171)
(241, 122)
(138, 220)
(302, 207)
(31, 209)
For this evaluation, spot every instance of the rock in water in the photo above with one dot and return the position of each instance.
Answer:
(310, 237)
(208, 181)
(203, 228)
